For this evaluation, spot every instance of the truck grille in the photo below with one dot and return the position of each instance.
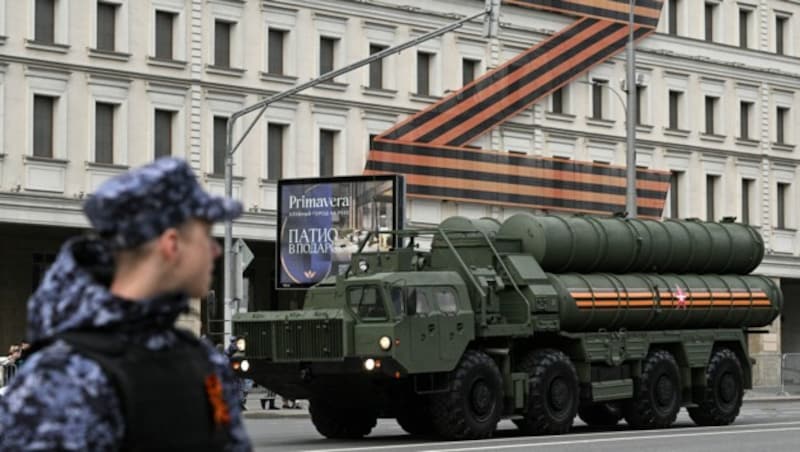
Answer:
(292, 340)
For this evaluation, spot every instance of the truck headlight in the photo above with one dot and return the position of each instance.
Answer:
(363, 265)
(241, 344)
(385, 343)
(245, 365)
(369, 364)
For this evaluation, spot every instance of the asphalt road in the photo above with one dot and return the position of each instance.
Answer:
(761, 426)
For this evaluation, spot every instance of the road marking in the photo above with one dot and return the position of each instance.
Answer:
(599, 437)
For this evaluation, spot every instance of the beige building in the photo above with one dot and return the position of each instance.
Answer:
(90, 88)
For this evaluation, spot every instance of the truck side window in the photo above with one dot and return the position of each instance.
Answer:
(417, 302)
(446, 300)
(396, 294)
(366, 302)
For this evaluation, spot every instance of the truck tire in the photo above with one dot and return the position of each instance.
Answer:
(415, 417)
(600, 414)
(343, 422)
(722, 397)
(656, 393)
(473, 405)
(552, 393)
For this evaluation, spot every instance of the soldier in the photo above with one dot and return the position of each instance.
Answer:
(108, 369)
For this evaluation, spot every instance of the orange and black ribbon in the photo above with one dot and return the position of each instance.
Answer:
(219, 409)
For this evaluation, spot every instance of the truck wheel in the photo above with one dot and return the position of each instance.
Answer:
(472, 407)
(415, 417)
(722, 397)
(552, 393)
(656, 393)
(600, 414)
(343, 422)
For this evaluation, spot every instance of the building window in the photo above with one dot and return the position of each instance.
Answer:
(376, 67)
(711, 113)
(747, 189)
(164, 31)
(712, 191)
(710, 17)
(675, 101)
(43, 110)
(744, 27)
(672, 12)
(104, 132)
(327, 141)
(597, 98)
(275, 134)
(641, 92)
(327, 53)
(781, 123)
(675, 179)
(220, 143)
(45, 16)
(468, 70)
(557, 101)
(222, 43)
(745, 109)
(163, 133)
(780, 34)
(424, 73)
(106, 26)
(783, 194)
(276, 45)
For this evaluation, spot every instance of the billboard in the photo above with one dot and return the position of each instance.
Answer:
(322, 221)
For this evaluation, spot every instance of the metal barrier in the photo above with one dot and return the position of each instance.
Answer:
(8, 372)
(790, 373)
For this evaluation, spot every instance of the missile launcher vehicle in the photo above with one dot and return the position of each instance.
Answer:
(539, 319)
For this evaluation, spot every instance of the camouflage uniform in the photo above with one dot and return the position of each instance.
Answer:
(61, 400)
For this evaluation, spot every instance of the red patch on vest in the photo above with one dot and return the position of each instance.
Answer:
(219, 409)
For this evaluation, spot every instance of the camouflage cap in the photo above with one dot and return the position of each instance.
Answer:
(139, 205)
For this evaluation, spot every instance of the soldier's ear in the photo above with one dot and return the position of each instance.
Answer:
(169, 244)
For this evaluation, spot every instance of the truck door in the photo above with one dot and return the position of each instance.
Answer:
(424, 327)
(452, 324)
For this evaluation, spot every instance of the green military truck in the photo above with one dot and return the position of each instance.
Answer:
(537, 320)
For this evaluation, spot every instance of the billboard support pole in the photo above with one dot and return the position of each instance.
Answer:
(491, 11)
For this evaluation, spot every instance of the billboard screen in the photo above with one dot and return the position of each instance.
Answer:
(321, 222)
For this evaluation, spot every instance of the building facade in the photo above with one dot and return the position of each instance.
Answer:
(91, 88)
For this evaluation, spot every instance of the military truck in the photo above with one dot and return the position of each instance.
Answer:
(537, 320)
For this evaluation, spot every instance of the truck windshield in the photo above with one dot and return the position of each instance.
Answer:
(366, 302)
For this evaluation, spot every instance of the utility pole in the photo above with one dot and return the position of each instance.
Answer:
(630, 120)
(491, 15)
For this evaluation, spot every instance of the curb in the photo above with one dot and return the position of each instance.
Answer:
(776, 398)
(274, 414)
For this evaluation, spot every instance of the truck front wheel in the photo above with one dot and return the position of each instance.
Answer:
(656, 393)
(472, 406)
(722, 397)
(552, 393)
(343, 421)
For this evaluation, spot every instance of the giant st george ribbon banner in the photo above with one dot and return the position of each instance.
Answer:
(431, 147)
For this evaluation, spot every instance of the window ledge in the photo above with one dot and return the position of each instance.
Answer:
(333, 86)
(670, 132)
(47, 46)
(262, 182)
(47, 160)
(221, 177)
(379, 92)
(713, 137)
(278, 78)
(562, 117)
(600, 122)
(428, 98)
(645, 128)
(786, 147)
(108, 166)
(225, 70)
(747, 142)
(785, 231)
(162, 62)
(109, 54)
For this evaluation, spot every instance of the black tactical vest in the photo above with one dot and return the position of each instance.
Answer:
(163, 393)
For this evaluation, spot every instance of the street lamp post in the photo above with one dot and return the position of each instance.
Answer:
(630, 119)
